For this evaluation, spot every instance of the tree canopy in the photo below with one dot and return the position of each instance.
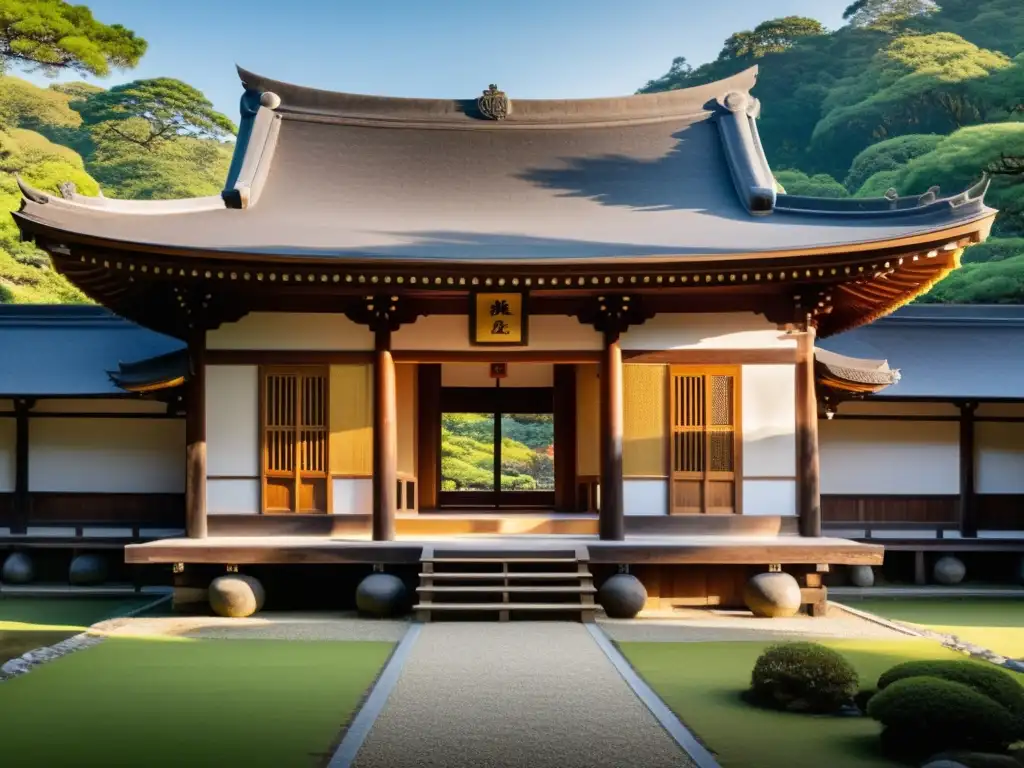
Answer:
(887, 15)
(52, 35)
(818, 185)
(148, 112)
(772, 36)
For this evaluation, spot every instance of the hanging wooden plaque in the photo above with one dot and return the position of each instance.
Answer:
(498, 320)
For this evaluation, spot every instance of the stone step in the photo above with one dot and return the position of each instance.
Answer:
(503, 607)
(579, 590)
(498, 575)
(498, 560)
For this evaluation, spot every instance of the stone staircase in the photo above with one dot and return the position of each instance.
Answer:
(487, 584)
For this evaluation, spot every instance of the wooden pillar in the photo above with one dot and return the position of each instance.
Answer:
(21, 500)
(385, 438)
(611, 523)
(195, 439)
(565, 437)
(428, 434)
(968, 506)
(807, 458)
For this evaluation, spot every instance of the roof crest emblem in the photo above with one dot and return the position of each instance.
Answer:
(494, 104)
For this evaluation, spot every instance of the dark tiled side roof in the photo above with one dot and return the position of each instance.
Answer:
(67, 351)
(955, 352)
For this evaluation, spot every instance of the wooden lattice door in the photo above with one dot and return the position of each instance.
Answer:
(704, 413)
(295, 440)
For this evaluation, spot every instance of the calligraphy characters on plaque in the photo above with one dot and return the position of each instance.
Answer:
(498, 319)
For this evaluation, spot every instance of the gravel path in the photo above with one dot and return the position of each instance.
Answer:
(713, 626)
(514, 694)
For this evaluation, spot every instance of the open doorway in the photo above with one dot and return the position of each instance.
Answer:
(497, 448)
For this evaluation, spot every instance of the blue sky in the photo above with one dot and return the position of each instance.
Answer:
(443, 49)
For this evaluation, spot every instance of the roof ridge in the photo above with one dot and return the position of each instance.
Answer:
(289, 99)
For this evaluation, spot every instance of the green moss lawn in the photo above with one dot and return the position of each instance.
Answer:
(27, 623)
(178, 702)
(994, 623)
(702, 683)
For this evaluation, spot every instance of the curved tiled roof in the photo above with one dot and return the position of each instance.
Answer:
(673, 176)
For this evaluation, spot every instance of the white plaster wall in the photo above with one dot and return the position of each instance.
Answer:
(876, 408)
(352, 496)
(99, 405)
(232, 421)
(719, 330)
(889, 457)
(450, 333)
(96, 455)
(479, 375)
(291, 330)
(7, 448)
(239, 497)
(645, 497)
(999, 457)
(769, 497)
(768, 413)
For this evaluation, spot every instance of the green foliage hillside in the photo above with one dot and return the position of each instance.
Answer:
(148, 139)
(170, 148)
(909, 94)
(467, 452)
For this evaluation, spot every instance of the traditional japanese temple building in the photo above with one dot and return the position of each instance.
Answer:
(626, 266)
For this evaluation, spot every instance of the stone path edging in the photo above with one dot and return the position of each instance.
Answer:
(952, 642)
(367, 715)
(665, 716)
(31, 659)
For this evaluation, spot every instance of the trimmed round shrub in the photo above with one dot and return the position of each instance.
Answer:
(986, 679)
(802, 677)
(925, 715)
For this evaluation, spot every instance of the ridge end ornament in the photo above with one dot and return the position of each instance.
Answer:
(494, 104)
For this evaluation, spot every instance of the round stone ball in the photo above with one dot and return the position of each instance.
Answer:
(18, 569)
(381, 595)
(622, 596)
(87, 570)
(772, 595)
(236, 595)
(862, 576)
(949, 570)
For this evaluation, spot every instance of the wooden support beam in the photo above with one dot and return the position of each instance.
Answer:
(428, 434)
(611, 520)
(565, 437)
(968, 500)
(22, 500)
(807, 458)
(195, 439)
(385, 437)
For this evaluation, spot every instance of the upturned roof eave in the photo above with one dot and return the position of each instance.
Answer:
(33, 225)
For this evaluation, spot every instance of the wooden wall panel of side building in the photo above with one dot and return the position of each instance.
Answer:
(7, 448)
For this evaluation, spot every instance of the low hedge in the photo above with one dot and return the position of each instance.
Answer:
(986, 679)
(802, 677)
(925, 715)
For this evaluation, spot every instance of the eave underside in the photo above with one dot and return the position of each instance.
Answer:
(172, 293)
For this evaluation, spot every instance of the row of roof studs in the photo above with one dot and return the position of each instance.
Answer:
(337, 277)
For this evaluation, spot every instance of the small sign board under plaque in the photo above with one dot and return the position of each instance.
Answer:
(498, 319)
